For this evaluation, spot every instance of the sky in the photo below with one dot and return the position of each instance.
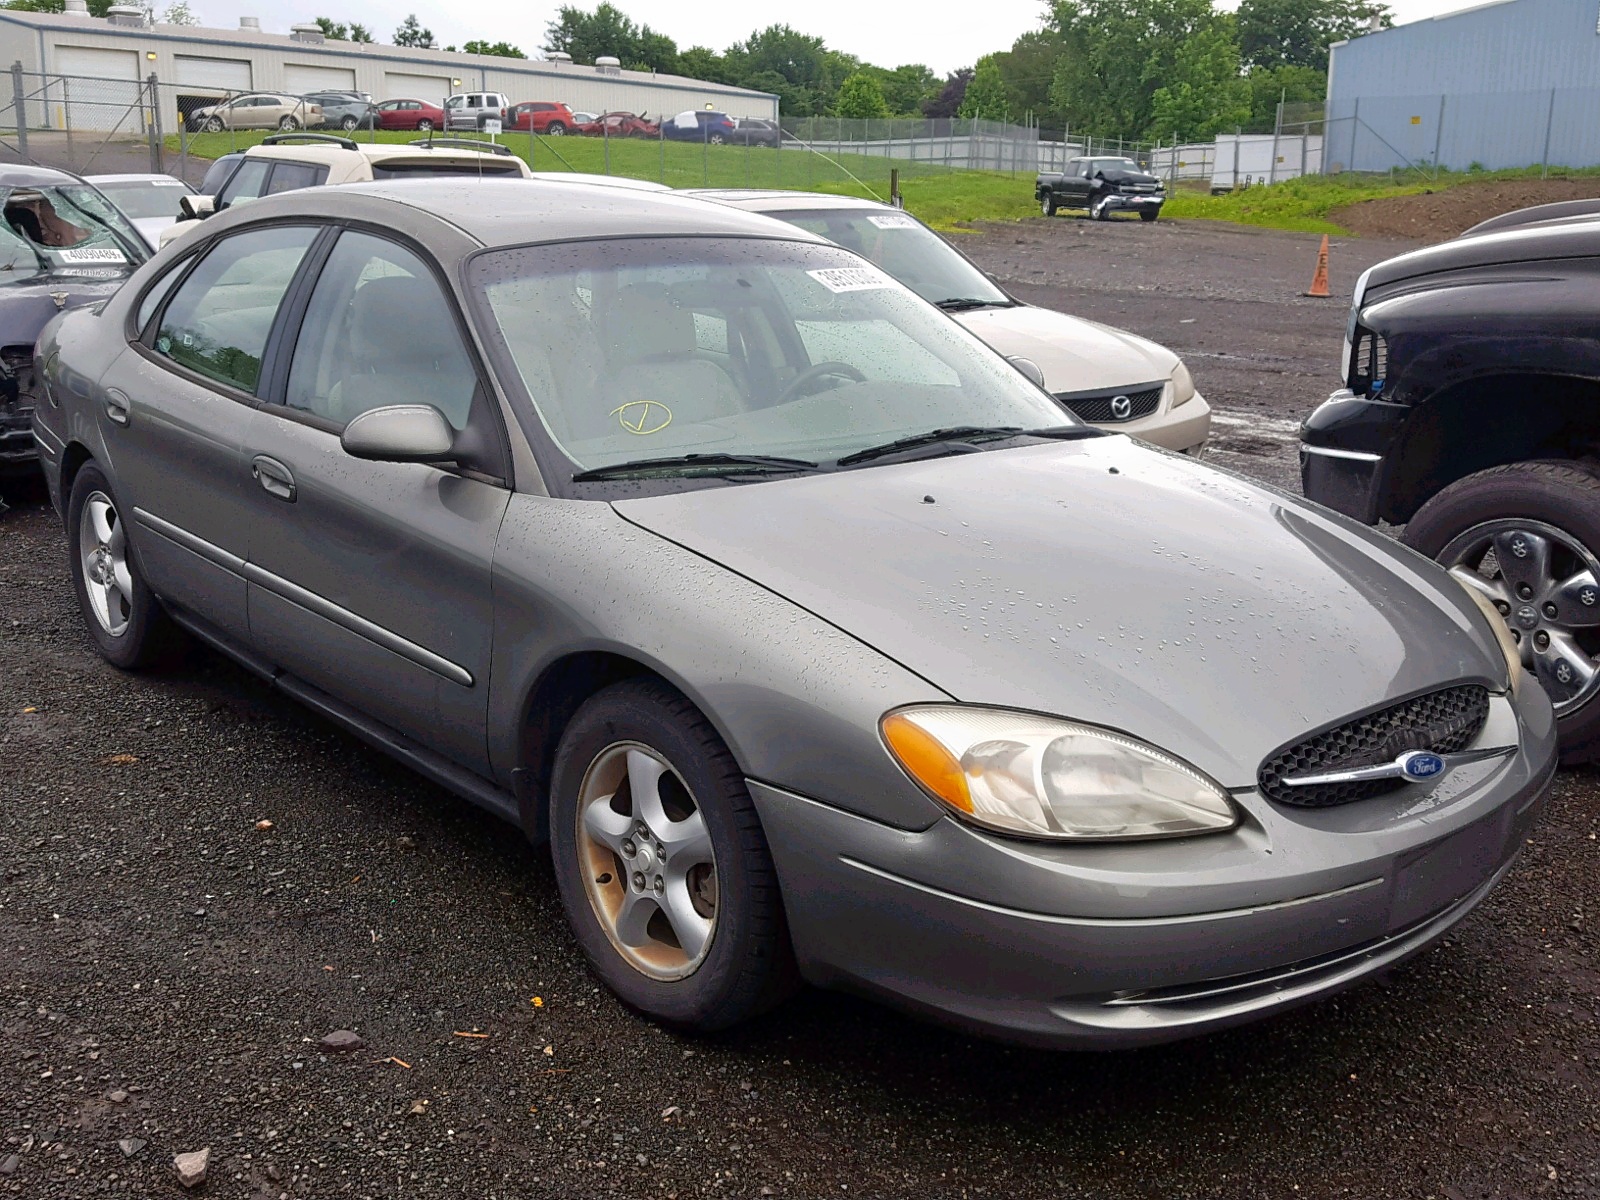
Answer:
(885, 32)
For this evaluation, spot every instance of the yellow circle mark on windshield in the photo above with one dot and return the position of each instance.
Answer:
(643, 416)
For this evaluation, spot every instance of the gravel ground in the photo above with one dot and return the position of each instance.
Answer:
(168, 968)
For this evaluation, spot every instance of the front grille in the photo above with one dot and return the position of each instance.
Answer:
(1444, 722)
(16, 377)
(1102, 408)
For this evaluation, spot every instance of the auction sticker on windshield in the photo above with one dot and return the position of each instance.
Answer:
(92, 254)
(892, 221)
(851, 279)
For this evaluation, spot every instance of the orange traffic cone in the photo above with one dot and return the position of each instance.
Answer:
(1319, 281)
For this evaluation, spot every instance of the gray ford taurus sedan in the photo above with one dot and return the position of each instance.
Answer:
(790, 615)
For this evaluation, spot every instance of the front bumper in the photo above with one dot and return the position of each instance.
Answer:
(18, 450)
(1102, 947)
(1183, 428)
(1345, 446)
(1132, 202)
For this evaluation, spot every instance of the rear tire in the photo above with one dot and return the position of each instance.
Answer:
(630, 754)
(1555, 506)
(349, 122)
(716, 139)
(424, 126)
(288, 124)
(125, 621)
(556, 129)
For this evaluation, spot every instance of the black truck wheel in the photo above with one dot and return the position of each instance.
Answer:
(1047, 204)
(1149, 214)
(1525, 536)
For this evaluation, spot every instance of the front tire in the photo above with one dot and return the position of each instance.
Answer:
(1047, 204)
(124, 619)
(1526, 536)
(1098, 209)
(213, 125)
(288, 124)
(661, 862)
(424, 126)
(1147, 214)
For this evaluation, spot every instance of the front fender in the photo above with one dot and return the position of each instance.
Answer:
(797, 700)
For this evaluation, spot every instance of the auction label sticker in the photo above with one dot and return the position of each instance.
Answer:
(892, 221)
(168, 183)
(851, 279)
(92, 254)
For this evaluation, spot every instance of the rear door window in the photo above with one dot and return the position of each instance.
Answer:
(291, 176)
(218, 320)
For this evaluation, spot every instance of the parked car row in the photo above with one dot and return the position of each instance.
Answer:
(703, 537)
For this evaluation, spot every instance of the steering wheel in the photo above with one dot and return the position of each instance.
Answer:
(821, 370)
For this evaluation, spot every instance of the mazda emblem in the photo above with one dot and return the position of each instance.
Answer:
(1121, 406)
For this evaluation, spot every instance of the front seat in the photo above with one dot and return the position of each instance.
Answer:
(403, 350)
(650, 352)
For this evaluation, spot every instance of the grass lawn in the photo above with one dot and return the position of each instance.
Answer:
(945, 198)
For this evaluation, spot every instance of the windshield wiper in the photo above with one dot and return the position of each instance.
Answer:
(963, 303)
(719, 464)
(967, 435)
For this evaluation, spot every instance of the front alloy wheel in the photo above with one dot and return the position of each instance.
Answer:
(649, 868)
(213, 125)
(1524, 536)
(661, 863)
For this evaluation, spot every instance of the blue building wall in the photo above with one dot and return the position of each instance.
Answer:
(1511, 84)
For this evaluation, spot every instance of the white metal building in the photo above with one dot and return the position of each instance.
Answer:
(210, 62)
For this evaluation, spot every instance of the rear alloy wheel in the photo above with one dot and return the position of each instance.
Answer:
(661, 863)
(425, 126)
(716, 139)
(1524, 536)
(349, 122)
(126, 621)
(288, 123)
(557, 129)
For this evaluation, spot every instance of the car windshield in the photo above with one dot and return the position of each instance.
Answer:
(65, 230)
(633, 350)
(905, 248)
(153, 198)
(1114, 164)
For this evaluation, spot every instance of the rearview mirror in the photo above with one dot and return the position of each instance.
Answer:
(1028, 367)
(196, 208)
(400, 433)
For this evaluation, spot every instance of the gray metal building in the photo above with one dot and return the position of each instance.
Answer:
(208, 63)
(1508, 84)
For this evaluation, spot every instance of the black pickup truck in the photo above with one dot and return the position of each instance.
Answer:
(1103, 186)
(1471, 415)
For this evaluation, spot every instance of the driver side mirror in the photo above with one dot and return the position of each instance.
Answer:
(1027, 367)
(196, 208)
(400, 433)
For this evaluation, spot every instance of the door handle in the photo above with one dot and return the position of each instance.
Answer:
(118, 407)
(273, 476)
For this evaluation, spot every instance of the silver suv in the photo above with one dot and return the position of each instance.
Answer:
(470, 110)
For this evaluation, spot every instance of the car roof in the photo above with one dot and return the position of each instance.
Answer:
(508, 212)
(757, 200)
(26, 175)
(133, 177)
(328, 152)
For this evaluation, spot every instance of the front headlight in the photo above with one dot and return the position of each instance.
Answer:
(1042, 777)
(1182, 385)
(1502, 633)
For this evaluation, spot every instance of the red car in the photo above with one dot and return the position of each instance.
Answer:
(620, 124)
(410, 114)
(541, 116)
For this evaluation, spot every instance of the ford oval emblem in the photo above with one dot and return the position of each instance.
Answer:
(1420, 765)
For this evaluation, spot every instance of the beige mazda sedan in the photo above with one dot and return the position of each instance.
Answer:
(1104, 376)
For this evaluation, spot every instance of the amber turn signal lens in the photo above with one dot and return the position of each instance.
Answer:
(926, 761)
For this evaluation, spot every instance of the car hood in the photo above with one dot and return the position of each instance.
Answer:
(28, 305)
(1075, 355)
(1104, 581)
(1111, 175)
